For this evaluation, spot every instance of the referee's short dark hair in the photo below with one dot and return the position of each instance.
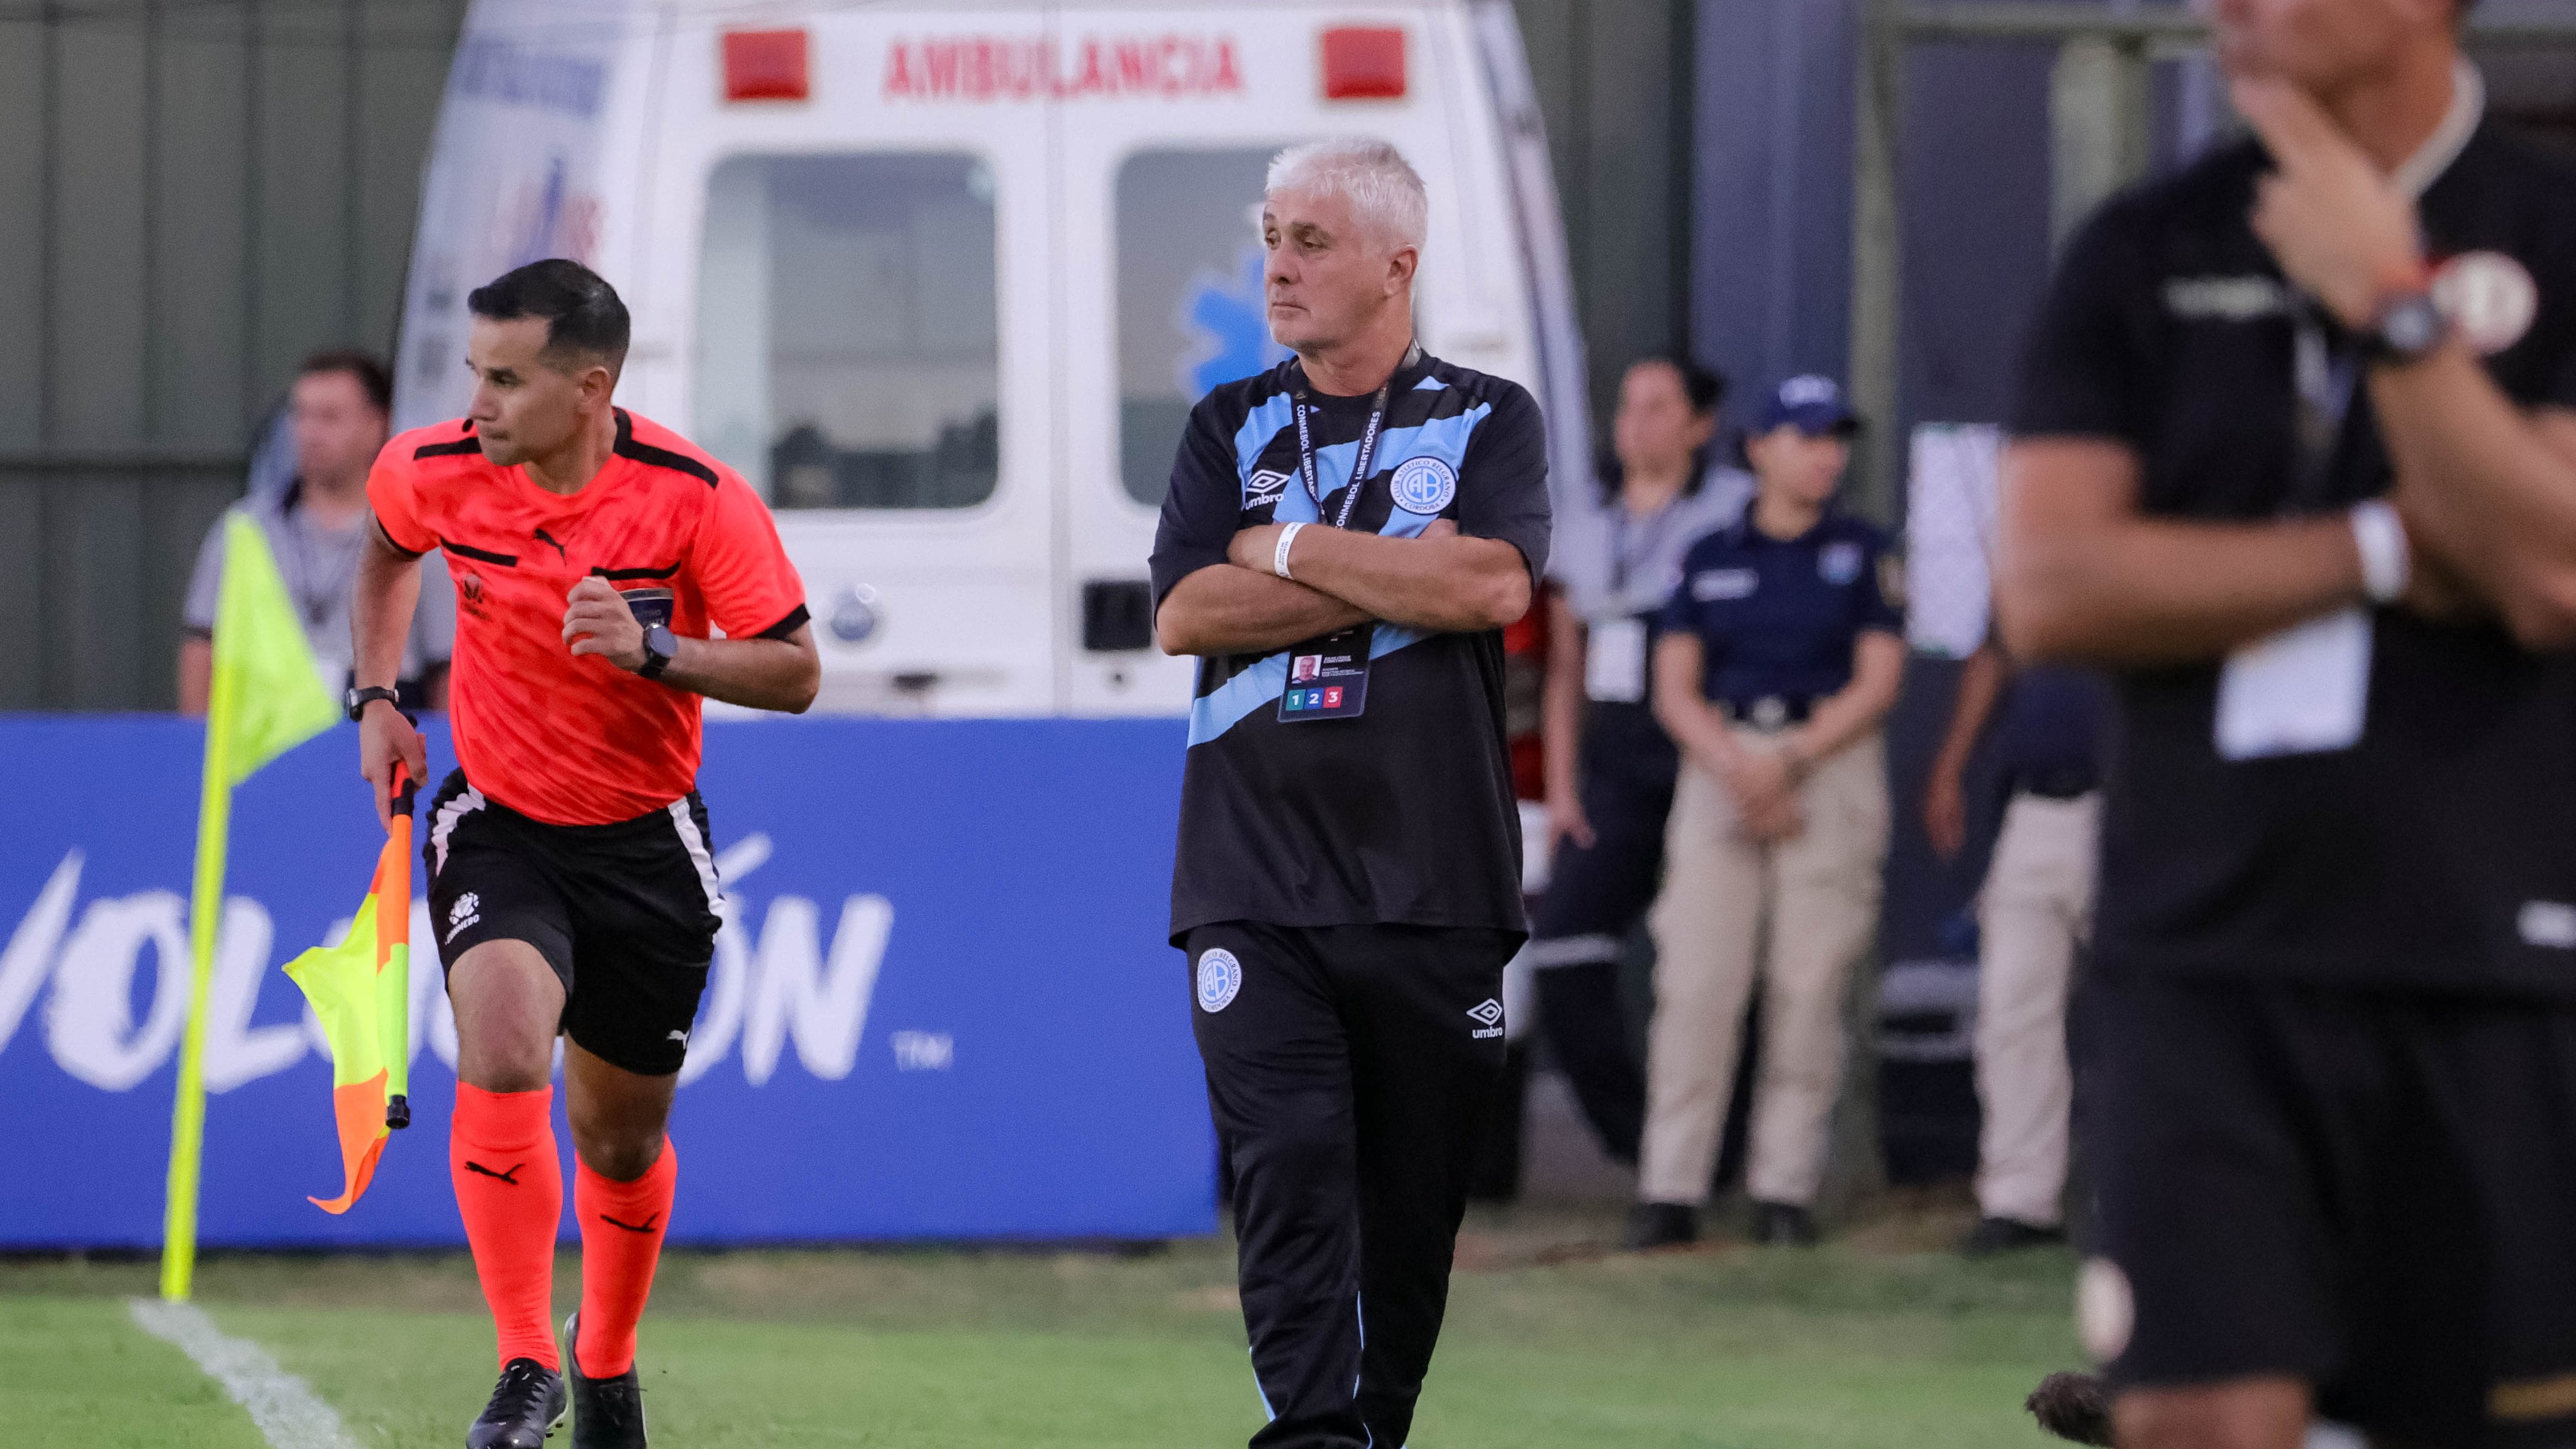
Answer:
(370, 373)
(582, 312)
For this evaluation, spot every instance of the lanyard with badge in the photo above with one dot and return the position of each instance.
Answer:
(1328, 677)
(1614, 650)
(2305, 689)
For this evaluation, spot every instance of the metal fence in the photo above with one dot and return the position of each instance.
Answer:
(200, 192)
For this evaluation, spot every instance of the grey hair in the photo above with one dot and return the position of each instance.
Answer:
(1384, 190)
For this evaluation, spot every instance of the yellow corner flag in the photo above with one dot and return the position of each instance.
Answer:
(267, 698)
(361, 992)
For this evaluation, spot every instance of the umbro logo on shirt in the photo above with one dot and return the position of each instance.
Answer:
(1264, 487)
(1488, 1016)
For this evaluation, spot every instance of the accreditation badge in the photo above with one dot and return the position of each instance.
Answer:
(1614, 661)
(1328, 677)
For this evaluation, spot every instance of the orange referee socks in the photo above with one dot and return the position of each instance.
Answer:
(621, 1239)
(509, 1187)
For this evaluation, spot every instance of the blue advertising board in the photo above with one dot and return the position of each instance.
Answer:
(942, 1005)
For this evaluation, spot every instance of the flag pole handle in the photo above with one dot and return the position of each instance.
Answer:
(398, 1106)
(405, 788)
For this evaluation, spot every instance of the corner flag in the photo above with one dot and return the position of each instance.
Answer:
(361, 992)
(267, 698)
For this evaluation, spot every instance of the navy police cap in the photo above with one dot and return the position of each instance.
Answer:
(1814, 405)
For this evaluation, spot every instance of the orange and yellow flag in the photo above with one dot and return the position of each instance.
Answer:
(361, 992)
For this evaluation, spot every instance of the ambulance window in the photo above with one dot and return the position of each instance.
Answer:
(846, 329)
(1189, 297)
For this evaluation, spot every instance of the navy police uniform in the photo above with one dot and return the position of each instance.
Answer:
(2334, 990)
(1777, 621)
(1347, 886)
(1597, 893)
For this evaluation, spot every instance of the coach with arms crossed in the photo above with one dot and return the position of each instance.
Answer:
(2296, 459)
(1344, 539)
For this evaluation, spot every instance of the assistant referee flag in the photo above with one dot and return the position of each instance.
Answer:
(267, 698)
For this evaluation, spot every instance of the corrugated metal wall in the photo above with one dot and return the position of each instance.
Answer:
(193, 195)
(1615, 83)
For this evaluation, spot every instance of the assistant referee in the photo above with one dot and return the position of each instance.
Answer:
(2296, 459)
(596, 556)
(1345, 536)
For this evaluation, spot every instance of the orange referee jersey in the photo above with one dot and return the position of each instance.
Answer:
(564, 738)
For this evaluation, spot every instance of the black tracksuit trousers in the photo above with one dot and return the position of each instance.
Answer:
(1348, 1074)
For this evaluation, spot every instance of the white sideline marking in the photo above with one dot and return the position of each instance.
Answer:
(286, 1411)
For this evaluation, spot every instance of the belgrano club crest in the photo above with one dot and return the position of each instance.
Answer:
(1037, 67)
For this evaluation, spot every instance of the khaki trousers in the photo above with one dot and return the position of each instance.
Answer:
(1817, 894)
(2035, 911)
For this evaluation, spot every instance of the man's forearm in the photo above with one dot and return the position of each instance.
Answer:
(380, 609)
(2082, 578)
(2490, 491)
(1561, 704)
(1981, 682)
(1446, 584)
(1226, 609)
(772, 674)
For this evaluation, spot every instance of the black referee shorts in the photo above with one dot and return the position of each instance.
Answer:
(624, 913)
(2371, 1191)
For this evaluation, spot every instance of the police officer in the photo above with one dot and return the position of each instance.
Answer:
(1779, 655)
(2035, 911)
(2296, 456)
(1344, 539)
(1610, 767)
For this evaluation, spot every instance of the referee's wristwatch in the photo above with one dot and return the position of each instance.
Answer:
(357, 700)
(661, 646)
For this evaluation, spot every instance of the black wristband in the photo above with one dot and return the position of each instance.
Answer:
(358, 700)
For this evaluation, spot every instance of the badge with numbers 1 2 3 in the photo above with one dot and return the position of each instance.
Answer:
(1327, 677)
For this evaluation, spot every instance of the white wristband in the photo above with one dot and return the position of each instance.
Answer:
(1279, 557)
(2386, 563)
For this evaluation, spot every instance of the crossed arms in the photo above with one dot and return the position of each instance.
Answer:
(1441, 582)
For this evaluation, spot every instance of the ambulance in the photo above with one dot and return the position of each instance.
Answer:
(943, 281)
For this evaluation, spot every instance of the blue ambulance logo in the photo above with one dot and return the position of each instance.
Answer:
(1227, 327)
(1839, 564)
(1220, 977)
(1425, 485)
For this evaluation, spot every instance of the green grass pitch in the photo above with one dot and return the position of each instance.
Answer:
(1869, 1343)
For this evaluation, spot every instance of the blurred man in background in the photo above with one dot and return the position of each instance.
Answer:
(1610, 767)
(2296, 455)
(340, 412)
(1345, 537)
(2033, 913)
(1776, 661)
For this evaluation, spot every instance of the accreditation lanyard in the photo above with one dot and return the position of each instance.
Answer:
(1359, 464)
(1622, 561)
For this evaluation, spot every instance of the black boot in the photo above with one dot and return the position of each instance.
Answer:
(607, 1413)
(527, 1404)
(1653, 1225)
(2006, 1235)
(1783, 1225)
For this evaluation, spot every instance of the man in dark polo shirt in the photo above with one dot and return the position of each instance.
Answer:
(2296, 459)
(1345, 536)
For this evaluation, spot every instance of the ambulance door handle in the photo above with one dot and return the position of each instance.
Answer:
(1117, 616)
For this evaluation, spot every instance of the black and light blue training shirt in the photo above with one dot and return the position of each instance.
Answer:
(1404, 815)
